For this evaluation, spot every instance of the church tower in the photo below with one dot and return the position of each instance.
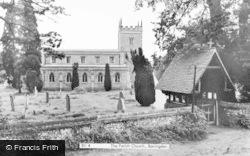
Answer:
(129, 38)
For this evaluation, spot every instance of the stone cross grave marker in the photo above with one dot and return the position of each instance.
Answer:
(210, 43)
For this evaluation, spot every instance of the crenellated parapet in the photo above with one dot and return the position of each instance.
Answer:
(130, 28)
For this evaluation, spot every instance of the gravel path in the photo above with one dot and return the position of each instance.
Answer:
(221, 141)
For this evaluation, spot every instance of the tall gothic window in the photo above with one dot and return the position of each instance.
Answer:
(117, 77)
(69, 77)
(100, 77)
(85, 77)
(51, 77)
(131, 41)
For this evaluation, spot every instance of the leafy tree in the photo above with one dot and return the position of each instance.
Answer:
(21, 39)
(144, 81)
(184, 23)
(107, 80)
(75, 78)
(156, 60)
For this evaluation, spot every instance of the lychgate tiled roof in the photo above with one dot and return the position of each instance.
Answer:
(179, 75)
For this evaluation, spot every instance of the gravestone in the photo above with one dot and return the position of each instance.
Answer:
(35, 91)
(26, 105)
(121, 95)
(121, 105)
(12, 103)
(92, 82)
(67, 103)
(61, 83)
(47, 97)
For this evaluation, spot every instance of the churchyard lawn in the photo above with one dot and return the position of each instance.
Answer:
(81, 104)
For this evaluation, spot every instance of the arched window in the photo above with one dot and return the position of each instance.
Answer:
(69, 77)
(100, 77)
(85, 77)
(117, 77)
(51, 77)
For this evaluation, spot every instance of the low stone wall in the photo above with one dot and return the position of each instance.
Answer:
(230, 113)
(93, 120)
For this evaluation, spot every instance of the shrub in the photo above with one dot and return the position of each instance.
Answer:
(107, 80)
(31, 78)
(183, 126)
(234, 114)
(245, 121)
(39, 84)
(75, 78)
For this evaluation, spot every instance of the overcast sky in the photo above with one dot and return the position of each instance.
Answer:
(94, 24)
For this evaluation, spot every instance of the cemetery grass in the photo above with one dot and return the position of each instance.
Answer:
(82, 104)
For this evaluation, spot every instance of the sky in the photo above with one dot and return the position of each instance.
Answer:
(94, 24)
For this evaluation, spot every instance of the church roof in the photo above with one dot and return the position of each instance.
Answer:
(179, 75)
(90, 51)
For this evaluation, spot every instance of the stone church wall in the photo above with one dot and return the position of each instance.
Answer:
(124, 79)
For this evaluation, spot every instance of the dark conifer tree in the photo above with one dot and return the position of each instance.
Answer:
(144, 80)
(75, 78)
(107, 80)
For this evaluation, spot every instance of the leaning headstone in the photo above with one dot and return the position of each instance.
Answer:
(67, 103)
(34, 112)
(12, 103)
(121, 95)
(35, 91)
(120, 105)
(47, 97)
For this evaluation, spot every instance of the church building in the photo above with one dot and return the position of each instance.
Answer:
(91, 69)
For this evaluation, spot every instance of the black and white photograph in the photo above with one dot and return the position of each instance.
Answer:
(124, 77)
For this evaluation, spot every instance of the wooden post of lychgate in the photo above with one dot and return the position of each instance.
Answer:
(67, 103)
(47, 97)
(12, 103)
(193, 102)
(217, 112)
